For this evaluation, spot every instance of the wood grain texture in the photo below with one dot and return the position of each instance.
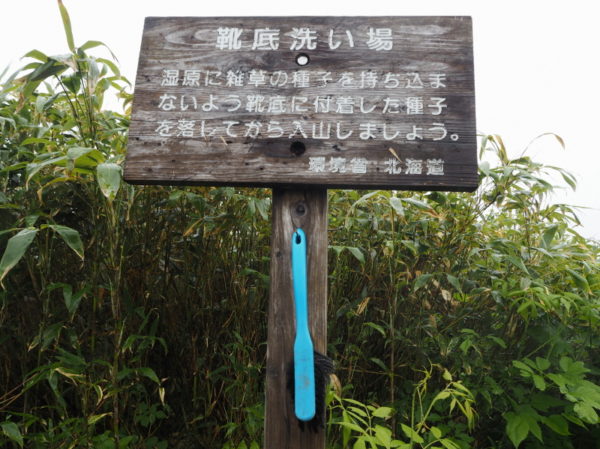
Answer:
(240, 155)
(281, 426)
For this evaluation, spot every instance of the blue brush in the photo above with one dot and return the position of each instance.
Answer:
(304, 363)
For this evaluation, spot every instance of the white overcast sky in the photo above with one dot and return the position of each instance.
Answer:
(537, 63)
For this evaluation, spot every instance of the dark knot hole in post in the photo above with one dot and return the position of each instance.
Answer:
(302, 59)
(297, 148)
(300, 210)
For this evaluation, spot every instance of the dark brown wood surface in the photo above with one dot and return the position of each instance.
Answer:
(190, 127)
(292, 209)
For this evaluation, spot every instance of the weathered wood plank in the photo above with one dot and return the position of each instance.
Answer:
(292, 209)
(401, 115)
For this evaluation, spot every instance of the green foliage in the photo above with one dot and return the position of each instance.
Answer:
(135, 317)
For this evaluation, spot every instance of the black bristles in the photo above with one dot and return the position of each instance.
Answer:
(323, 369)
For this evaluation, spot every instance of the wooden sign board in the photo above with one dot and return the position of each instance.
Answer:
(334, 102)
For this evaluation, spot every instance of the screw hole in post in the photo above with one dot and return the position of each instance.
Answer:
(302, 59)
(297, 148)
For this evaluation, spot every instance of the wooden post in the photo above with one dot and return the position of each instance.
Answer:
(292, 209)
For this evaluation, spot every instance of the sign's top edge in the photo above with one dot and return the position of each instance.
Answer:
(313, 17)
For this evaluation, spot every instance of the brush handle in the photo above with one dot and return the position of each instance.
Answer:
(304, 365)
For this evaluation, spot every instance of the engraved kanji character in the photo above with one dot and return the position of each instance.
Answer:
(435, 167)
(388, 137)
(298, 130)
(391, 80)
(438, 105)
(323, 104)
(277, 104)
(345, 105)
(414, 105)
(170, 77)
(368, 130)
(228, 125)
(301, 78)
(167, 102)
(303, 37)
(337, 165)
(257, 78)
(210, 105)
(363, 107)
(368, 79)
(299, 104)
(324, 78)
(234, 79)
(273, 127)
(436, 80)
(265, 39)
(441, 128)
(391, 105)
(185, 128)
(316, 164)
(235, 101)
(205, 131)
(164, 128)
(186, 101)
(191, 78)
(380, 39)
(324, 131)
(253, 129)
(414, 166)
(209, 81)
(278, 78)
(229, 38)
(254, 103)
(413, 81)
(340, 135)
(346, 79)
(358, 165)
(392, 166)
(415, 134)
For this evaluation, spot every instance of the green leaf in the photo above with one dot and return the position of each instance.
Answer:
(436, 432)
(517, 262)
(383, 412)
(412, 434)
(357, 253)
(359, 444)
(396, 204)
(558, 424)
(421, 281)
(449, 444)
(579, 280)
(384, 435)
(12, 431)
(586, 412)
(67, 25)
(548, 236)
(109, 179)
(542, 364)
(419, 204)
(95, 418)
(149, 373)
(539, 382)
(71, 238)
(86, 158)
(517, 428)
(15, 248)
(45, 70)
(454, 282)
(36, 54)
